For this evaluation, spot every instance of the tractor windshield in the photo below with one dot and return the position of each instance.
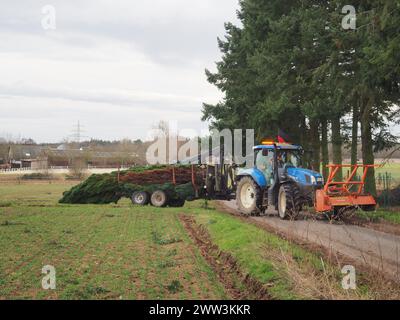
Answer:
(291, 158)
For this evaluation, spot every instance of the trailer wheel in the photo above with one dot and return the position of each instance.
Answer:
(248, 197)
(140, 198)
(159, 199)
(288, 202)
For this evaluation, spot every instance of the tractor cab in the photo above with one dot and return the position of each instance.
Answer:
(277, 180)
(287, 157)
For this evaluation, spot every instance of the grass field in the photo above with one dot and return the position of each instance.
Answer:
(98, 252)
(126, 252)
(392, 169)
(392, 216)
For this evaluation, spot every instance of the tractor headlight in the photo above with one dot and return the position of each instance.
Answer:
(313, 180)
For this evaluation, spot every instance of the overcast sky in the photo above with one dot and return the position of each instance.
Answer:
(116, 66)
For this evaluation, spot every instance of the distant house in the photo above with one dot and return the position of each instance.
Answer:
(62, 147)
(63, 158)
(34, 164)
(4, 165)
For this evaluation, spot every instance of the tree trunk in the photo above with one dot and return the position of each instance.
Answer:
(324, 148)
(337, 145)
(304, 140)
(367, 147)
(354, 136)
(303, 132)
(315, 145)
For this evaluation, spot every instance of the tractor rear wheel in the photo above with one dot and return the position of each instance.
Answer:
(248, 197)
(369, 208)
(159, 199)
(289, 205)
(140, 198)
(178, 203)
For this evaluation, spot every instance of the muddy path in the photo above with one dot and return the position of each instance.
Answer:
(370, 248)
(238, 284)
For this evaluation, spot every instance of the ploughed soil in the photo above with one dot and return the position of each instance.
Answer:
(372, 249)
(238, 285)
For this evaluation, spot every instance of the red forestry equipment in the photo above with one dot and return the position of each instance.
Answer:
(347, 194)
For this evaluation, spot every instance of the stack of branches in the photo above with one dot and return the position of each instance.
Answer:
(105, 188)
(159, 175)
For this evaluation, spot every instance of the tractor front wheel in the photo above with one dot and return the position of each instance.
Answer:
(248, 197)
(288, 202)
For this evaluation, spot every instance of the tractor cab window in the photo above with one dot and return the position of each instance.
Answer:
(264, 163)
(289, 158)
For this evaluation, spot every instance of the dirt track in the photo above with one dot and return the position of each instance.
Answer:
(368, 247)
(225, 265)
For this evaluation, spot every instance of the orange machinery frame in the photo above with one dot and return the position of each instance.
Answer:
(340, 194)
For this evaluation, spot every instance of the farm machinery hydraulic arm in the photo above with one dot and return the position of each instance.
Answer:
(343, 195)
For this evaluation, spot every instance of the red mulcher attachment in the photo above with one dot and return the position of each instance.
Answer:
(347, 194)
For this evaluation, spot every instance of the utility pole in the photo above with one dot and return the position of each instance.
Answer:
(77, 133)
(9, 155)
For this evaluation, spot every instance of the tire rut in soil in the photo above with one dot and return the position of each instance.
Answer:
(239, 285)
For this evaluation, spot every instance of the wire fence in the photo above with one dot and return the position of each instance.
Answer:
(385, 181)
(389, 188)
(15, 170)
(55, 168)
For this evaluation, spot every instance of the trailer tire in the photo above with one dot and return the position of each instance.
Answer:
(289, 205)
(140, 198)
(159, 199)
(248, 197)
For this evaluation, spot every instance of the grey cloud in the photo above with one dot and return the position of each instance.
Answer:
(116, 97)
(174, 37)
(118, 66)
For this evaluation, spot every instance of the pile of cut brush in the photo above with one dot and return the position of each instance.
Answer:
(176, 182)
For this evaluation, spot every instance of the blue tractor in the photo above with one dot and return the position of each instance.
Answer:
(277, 180)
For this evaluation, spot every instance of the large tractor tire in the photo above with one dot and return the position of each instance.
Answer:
(179, 203)
(369, 208)
(159, 199)
(289, 205)
(140, 198)
(248, 197)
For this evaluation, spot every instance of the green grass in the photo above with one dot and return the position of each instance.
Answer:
(262, 255)
(125, 252)
(248, 244)
(99, 252)
(392, 168)
(382, 214)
